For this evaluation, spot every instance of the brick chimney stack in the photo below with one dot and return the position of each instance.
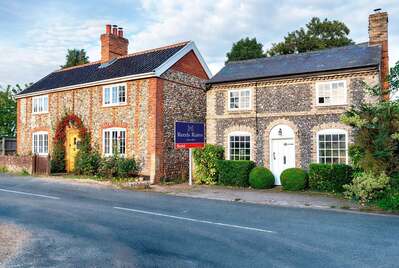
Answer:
(378, 35)
(113, 44)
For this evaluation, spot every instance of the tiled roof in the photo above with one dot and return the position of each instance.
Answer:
(132, 64)
(347, 57)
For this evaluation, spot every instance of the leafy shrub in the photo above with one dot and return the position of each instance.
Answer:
(294, 179)
(366, 186)
(57, 162)
(115, 166)
(234, 172)
(394, 182)
(3, 169)
(126, 167)
(205, 163)
(329, 178)
(376, 129)
(87, 163)
(107, 167)
(260, 178)
(390, 201)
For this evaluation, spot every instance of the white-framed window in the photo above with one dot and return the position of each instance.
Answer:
(239, 99)
(331, 93)
(332, 146)
(114, 94)
(114, 141)
(40, 143)
(40, 104)
(239, 146)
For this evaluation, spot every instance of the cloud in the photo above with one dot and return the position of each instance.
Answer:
(214, 26)
(45, 32)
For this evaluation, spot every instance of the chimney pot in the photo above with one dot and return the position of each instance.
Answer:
(120, 32)
(115, 29)
(113, 44)
(108, 28)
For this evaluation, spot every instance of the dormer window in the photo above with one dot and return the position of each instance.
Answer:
(331, 93)
(114, 95)
(239, 99)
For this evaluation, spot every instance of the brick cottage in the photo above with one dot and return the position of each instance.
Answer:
(129, 100)
(284, 111)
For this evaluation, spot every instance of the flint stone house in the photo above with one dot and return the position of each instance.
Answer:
(284, 111)
(128, 100)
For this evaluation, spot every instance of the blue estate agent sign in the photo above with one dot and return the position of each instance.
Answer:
(189, 135)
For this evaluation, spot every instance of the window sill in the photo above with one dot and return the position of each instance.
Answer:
(331, 105)
(240, 111)
(37, 113)
(114, 105)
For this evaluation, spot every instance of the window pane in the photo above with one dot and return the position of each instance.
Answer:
(106, 96)
(114, 95)
(122, 142)
(332, 148)
(45, 141)
(122, 94)
(240, 147)
(106, 142)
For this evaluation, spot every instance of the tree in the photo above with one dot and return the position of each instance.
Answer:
(317, 35)
(376, 131)
(75, 57)
(245, 49)
(8, 109)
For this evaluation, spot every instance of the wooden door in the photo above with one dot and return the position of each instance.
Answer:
(72, 148)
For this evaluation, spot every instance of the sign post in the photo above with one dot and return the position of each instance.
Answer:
(189, 135)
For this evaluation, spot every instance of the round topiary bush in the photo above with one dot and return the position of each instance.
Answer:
(294, 179)
(261, 178)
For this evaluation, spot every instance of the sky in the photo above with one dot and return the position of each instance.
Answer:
(37, 33)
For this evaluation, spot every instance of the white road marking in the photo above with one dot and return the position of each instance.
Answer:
(196, 220)
(31, 194)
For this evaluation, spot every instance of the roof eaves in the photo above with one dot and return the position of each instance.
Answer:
(89, 84)
(264, 78)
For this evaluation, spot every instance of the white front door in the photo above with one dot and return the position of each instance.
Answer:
(282, 157)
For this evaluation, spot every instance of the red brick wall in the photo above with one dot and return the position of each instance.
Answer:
(16, 163)
(190, 64)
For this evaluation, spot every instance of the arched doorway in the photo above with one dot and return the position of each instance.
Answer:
(282, 150)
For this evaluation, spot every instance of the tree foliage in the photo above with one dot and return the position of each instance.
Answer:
(8, 109)
(376, 131)
(245, 49)
(317, 35)
(75, 57)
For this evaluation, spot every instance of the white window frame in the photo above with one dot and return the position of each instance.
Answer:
(239, 91)
(334, 102)
(109, 87)
(332, 131)
(39, 133)
(111, 145)
(240, 134)
(36, 101)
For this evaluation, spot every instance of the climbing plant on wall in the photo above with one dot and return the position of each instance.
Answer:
(58, 153)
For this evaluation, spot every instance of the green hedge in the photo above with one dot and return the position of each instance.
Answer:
(234, 172)
(261, 178)
(294, 179)
(205, 163)
(329, 178)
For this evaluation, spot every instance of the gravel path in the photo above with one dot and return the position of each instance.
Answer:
(12, 240)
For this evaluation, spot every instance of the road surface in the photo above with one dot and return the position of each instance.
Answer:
(78, 225)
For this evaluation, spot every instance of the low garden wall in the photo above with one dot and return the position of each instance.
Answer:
(35, 165)
(16, 163)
